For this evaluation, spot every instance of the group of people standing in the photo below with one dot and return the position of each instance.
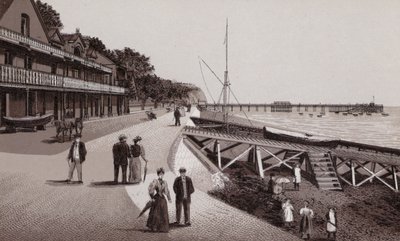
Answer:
(128, 156)
(158, 220)
(307, 215)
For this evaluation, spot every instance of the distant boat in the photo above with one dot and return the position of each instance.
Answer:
(368, 113)
(355, 114)
(311, 115)
(384, 114)
(344, 113)
(301, 113)
(336, 112)
(361, 113)
(320, 115)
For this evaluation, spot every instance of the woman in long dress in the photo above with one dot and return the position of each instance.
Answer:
(306, 220)
(158, 217)
(135, 166)
(287, 213)
(331, 223)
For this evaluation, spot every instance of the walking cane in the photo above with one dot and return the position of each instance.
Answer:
(145, 171)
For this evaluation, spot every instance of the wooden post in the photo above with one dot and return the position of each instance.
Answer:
(353, 174)
(396, 185)
(219, 155)
(259, 161)
(373, 165)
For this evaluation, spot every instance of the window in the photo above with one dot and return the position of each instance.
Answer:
(54, 68)
(8, 58)
(25, 24)
(28, 62)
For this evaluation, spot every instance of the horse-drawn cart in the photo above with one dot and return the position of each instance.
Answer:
(32, 122)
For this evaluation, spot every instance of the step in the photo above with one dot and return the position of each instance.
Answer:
(331, 188)
(322, 164)
(320, 160)
(317, 155)
(327, 179)
(324, 174)
(323, 169)
(328, 184)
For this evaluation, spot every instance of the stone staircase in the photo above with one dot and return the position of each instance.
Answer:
(324, 170)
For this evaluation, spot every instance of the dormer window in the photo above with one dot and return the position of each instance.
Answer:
(25, 25)
(77, 51)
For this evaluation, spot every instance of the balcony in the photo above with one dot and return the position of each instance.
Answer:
(17, 76)
(17, 38)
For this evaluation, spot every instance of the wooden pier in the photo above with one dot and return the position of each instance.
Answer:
(300, 108)
(327, 167)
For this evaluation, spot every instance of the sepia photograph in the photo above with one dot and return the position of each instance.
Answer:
(225, 120)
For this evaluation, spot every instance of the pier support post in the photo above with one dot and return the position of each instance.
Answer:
(353, 173)
(219, 155)
(396, 185)
(259, 161)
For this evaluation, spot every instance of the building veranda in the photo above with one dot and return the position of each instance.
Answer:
(43, 71)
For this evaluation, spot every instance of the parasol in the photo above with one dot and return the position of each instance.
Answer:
(281, 180)
(147, 207)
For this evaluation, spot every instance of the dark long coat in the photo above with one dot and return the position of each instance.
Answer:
(178, 188)
(121, 153)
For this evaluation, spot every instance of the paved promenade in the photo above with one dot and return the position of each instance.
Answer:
(34, 205)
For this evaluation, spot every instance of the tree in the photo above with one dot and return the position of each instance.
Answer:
(97, 44)
(50, 16)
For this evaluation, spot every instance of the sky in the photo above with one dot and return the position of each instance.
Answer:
(305, 51)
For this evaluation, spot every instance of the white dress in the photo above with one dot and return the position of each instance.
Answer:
(287, 212)
(331, 225)
(297, 175)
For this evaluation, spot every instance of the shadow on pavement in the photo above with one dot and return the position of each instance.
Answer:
(62, 183)
(110, 184)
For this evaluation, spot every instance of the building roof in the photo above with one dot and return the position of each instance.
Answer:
(73, 37)
(4, 5)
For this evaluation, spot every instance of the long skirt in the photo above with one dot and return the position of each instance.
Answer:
(306, 225)
(158, 216)
(135, 170)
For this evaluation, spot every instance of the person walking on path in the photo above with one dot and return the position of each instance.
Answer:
(331, 223)
(177, 115)
(76, 156)
(121, 154)
(158, 219)
(297, 177)
(306, 220)
(183, 188)
(287, 213)
(135, 167)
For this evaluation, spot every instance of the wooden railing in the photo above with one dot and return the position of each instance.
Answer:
(17, 38)
(13, 75)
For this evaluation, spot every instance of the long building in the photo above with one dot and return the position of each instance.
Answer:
(43, 71)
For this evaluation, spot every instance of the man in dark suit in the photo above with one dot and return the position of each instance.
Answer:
(121, 154)
(177, 115)
(76, 156)
(183, 188)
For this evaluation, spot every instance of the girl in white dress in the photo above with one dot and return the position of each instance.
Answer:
(287, 213)
(331, 223)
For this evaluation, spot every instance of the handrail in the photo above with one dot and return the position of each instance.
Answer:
(10, 74)
(36, 44)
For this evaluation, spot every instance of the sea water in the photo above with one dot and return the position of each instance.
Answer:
(373, 129)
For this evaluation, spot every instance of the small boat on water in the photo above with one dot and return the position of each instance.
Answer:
(300, 113)
(311, 115)
(336, 112)
(361, 113)
(320, 115)
(344, 113)
(355, 114)
(384, 114)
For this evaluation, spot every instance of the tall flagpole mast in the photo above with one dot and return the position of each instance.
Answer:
(226, 82)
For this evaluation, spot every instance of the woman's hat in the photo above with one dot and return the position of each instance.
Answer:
(160, 170)
(137, 138)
